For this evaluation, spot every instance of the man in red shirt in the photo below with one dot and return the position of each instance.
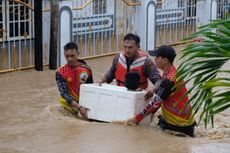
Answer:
(70, 76)
(176, 115)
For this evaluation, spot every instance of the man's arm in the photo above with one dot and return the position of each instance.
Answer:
(151, 107)
(162, 93)
(151, 71)
(63, 88)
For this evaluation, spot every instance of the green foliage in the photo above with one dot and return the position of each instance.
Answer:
(202, 65)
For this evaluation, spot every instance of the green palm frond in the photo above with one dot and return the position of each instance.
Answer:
(202, 65)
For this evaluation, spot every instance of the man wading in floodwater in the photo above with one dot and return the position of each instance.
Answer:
(132, 65)
(69, 78)
(176, 115)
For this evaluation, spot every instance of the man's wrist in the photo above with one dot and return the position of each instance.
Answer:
(79, 107)
(76, 105)
(138, 117)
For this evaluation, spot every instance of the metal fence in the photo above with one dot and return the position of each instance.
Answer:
(98, 26)
(16, 34)
(223, 9)
(175, 21)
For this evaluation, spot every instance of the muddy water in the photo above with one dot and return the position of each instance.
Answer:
(32, 122)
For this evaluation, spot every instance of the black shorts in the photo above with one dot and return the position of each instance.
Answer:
(188, 130)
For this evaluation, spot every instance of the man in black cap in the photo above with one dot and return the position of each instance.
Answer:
(176, 115)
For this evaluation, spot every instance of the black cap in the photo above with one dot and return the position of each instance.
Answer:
(164, 51)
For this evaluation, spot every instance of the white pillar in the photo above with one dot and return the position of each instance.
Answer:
(145, 24)
(206, 11)
(151, 26)
(65, 31)
(213, 12)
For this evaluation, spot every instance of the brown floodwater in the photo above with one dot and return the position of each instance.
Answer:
(32, 122)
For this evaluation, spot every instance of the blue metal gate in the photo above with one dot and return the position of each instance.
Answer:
(16, 34)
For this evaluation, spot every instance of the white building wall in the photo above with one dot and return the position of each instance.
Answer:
(203, 12)
(140, 25)
(169, 4)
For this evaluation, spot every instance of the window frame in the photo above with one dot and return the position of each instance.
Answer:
(181, 3)
(191, 9)
(19, 22)
(159, 4)
(96, 7)
(3, 22)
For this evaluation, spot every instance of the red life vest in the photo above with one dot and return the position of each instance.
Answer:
(73, 76)
(174, 108)
(137, 65)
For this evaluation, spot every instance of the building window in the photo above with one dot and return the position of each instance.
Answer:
(180, 3)
(159, 4)
(223, 9)
(191, 8)
(99, 6)
(18, 23)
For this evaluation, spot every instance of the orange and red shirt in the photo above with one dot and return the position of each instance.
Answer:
(147, 70)
(69, 79)
(174, 109)
(137, 65)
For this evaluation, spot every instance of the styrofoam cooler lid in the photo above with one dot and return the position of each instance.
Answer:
(111, 87)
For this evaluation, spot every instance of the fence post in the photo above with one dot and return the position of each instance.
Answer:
(206, 11)
(54, 34)
(38, 35)
(145, 25)
(213, 12)
(65, 31)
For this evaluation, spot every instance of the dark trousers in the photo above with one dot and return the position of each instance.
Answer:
(188, 130)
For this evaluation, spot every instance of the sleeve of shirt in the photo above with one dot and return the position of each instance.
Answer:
(110, 75)
(151, 107)
(90, 78)
(87, 74)
(150, 70)
(63, 88)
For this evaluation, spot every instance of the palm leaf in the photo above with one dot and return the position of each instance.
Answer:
(201, 64)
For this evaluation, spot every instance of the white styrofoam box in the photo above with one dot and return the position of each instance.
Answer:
(112, 103)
